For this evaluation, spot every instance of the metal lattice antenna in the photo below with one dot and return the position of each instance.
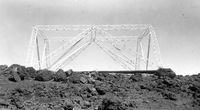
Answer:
(70, 42)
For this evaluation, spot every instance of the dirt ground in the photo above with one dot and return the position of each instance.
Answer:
(24, 88)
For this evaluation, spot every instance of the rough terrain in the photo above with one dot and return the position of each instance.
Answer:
(24, 88)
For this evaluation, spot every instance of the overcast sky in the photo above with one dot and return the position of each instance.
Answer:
(176, 22)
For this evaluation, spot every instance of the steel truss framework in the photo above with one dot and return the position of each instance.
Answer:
(71, 41)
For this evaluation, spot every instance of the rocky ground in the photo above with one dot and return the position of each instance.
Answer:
(24, 88)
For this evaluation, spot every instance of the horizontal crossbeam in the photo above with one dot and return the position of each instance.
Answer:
(84, 27)
(120, 38)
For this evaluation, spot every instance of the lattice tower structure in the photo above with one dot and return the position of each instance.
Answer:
(137, 58)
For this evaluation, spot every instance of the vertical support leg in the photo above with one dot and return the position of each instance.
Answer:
(148, 53)
(43, 56)
(138, 49)
(38, 52)
(47, 60)
(155, 47)
(93, 35)
(142, 55)
(31, 48)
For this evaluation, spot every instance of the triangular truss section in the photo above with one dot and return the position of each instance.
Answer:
(100, 35)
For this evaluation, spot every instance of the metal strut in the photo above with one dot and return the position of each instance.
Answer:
(120, 50)
(78, 51)
(148, 53)
(66, 46)
(31, 48)
(84, 27)
(46, 52)
(139, 48)
(114, 56)
(38, 53)
(46, 48)
(72, 55)
(155, 47)
(43, 56)
(70, 48)
(67, 38)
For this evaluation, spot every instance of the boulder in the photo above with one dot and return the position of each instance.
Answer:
(69, 72)
(31, 71)
(169, 95)
(3, 67)
(8, 71)
(136, 77)
(111, 104)
(77, 78)
(16, 75)
(68, 105)
(44, 75)
(60, 75)
(101, 88)
(165, 72)
(21, 70)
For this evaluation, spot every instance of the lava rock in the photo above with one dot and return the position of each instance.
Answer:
(169, 95)
(136, 77)
(3, 67)
(21, 70)
(68, 105)
(4, 104)
(44, 75)
(31, 71)
(8, 71)
(86, 104)
(111, 104)
(194, 88)
(60, 75)
(165, 72)
(102, 89)
(90, 80)
(83, 80)
(77, 78)
(16, 75)
(69, 72)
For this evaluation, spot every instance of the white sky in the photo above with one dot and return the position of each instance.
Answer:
(177, 25)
